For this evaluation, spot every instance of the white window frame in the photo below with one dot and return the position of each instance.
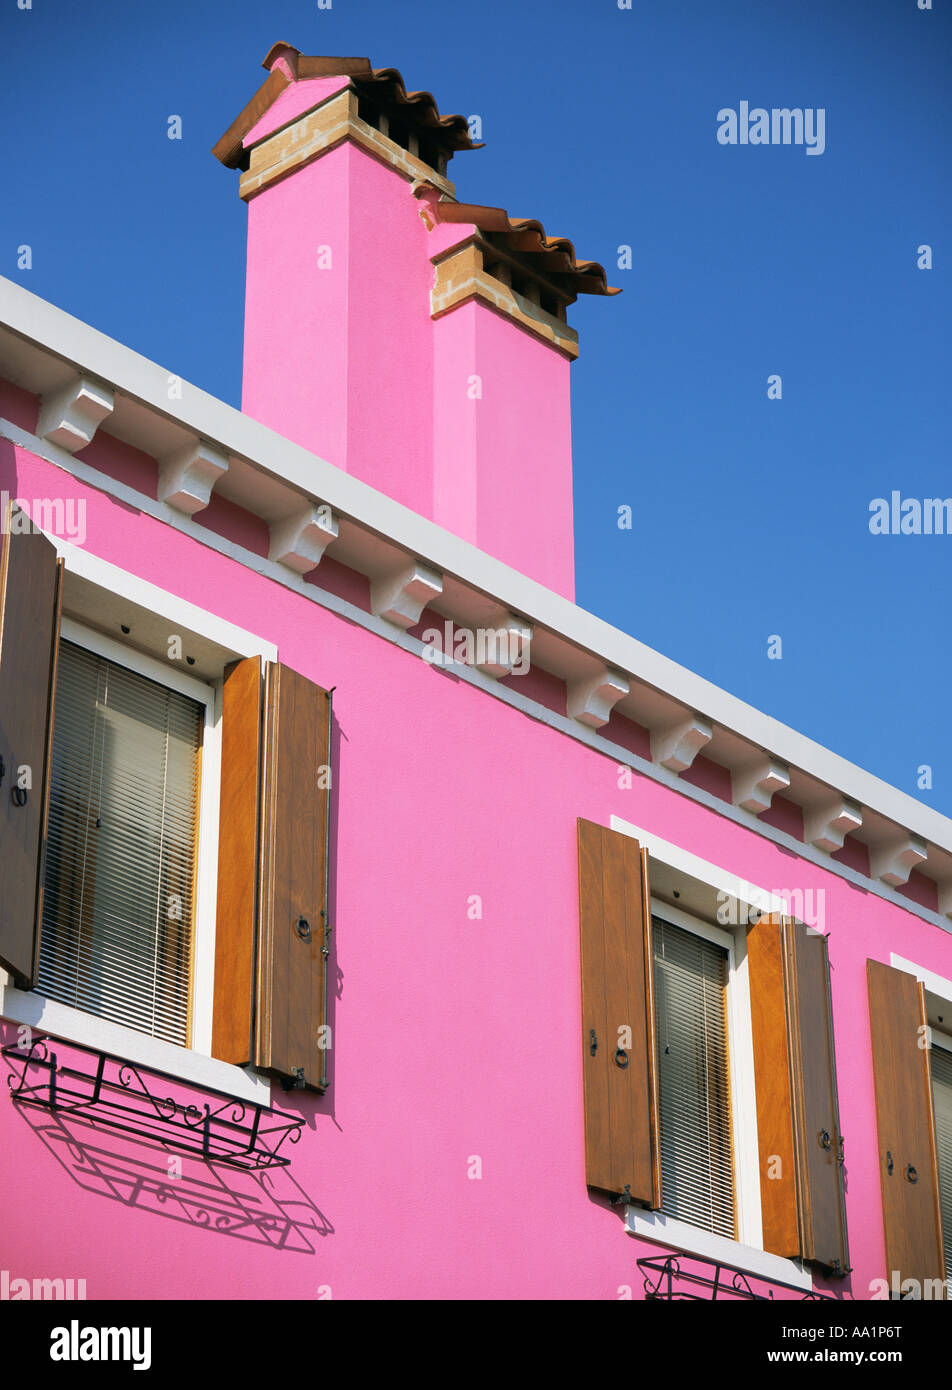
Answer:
(944, 1041)
(746, 1252)
(202, 971)
(746, 1178)
(33, 1011)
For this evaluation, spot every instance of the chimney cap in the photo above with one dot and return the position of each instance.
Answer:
(286, 64)
(525, 237)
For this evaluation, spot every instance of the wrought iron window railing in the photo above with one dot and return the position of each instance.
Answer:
(691, 1277)
(110, 1093)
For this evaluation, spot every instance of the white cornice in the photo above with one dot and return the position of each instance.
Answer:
(42, 348)
(402, 597)
(828, 824)
(894, 862)
(591, 699)
(187, 478)
(510, 646)
(754, 786)
(677, 745)
(299, 541)
(71, 414)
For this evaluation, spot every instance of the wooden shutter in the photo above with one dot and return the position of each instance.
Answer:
(816, 1117)
(799, 1139)
(270, 962)
(622, 1153)
(232, 1016)
(908, 1165)
(772, 1082)
(30, 600)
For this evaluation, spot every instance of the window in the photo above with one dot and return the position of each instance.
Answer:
(708, 1064)
(941, 1058)
(163, 839)
(122, 855)
(690, 991)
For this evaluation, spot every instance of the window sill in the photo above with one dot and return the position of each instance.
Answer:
(72, 1025)
(678, 1236)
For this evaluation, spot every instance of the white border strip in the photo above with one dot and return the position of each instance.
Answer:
(178, 612)
(701, 869)
(679, 1237)
(139, 662)
(87, 1030)
(934, 984)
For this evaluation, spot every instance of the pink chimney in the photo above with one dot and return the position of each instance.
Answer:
(418, 342)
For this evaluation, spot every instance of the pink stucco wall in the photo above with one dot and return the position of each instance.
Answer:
(502, 453)
(294, 101)
(453, 1037)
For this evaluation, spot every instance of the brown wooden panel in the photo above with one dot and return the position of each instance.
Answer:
(621, 1102)
(237, 862)
(817, 1137)
(778, 1184)
(904, 1117)
(291, 969)
(30, 598)
(598, 1151)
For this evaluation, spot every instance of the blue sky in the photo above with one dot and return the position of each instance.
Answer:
(750, 515)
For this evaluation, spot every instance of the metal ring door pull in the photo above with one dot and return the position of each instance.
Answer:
(621, 1058)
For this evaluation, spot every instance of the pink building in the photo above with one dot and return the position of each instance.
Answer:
(530, 965)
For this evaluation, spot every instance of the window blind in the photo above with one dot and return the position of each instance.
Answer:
(121, 850)
(942, 1100)
(697, 1180)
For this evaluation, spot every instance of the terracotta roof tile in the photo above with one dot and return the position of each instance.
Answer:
(384, 85)
(524, 235)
